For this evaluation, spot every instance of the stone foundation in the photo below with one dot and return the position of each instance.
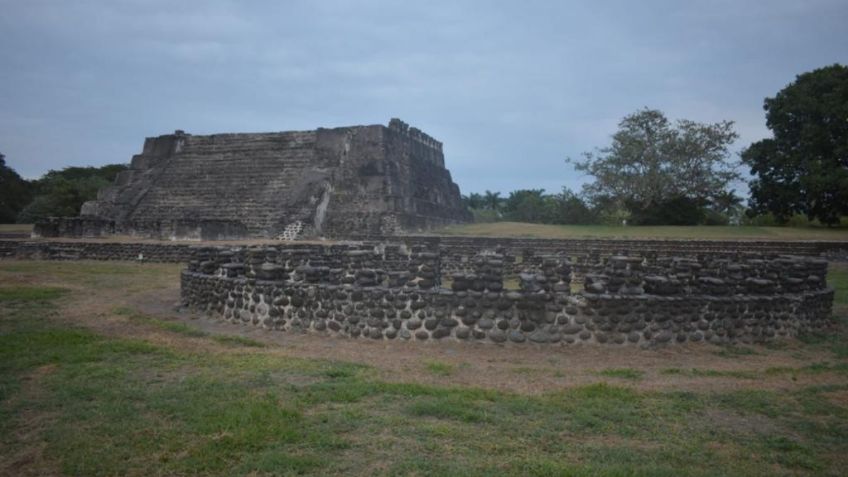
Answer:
(322, 183)
(391, 291)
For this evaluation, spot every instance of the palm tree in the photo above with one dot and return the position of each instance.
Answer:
(473, 200)
(492, 200)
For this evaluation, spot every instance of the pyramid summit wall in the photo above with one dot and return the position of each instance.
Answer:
(326, 182)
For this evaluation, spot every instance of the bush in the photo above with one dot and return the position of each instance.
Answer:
(675, 211)
(711, 217)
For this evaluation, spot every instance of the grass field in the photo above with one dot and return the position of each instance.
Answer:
(15, 228)
(515, 229)
(93, 383)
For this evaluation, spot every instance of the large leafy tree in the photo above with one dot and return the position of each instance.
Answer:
(15, 193)
(653, 164)
(803, 168)
(526, 205)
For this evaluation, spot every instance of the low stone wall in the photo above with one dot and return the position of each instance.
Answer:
(455, 253)
(181, 230)
(518, 253)
(128, 251)
(392, 292)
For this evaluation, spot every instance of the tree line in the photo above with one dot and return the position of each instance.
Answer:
(56, 194)
(658, 172)
(653, 172)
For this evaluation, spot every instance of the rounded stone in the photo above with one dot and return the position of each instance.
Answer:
(664, 336)
(516, 336)
(413, 323)
(462, 333)
(539, 336)
(421, 335)
(485, 324)
(497, 336)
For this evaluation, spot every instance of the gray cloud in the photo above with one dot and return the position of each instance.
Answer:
(511, 88)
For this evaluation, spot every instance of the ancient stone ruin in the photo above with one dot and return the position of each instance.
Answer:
(337, 182)
(400, 291)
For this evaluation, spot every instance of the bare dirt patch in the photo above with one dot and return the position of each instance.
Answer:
(524, 368)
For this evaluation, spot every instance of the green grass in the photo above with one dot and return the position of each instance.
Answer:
(15, 228)
(735, 351)
(103, 405)
(172, 326)
(515, 229)
(186, 330)
(709, 373)
(440, 369)
(622, 373)
(235, 340)
(836, 341)
(30, 294)
(837, 277)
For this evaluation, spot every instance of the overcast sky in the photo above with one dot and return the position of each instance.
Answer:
(511, 88)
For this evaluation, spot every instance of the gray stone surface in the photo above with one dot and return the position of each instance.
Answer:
(327, 182)
(350, 289)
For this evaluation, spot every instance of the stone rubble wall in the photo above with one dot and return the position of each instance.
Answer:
(391, 291)
(519, 253)
(456, 254)
(121, 251)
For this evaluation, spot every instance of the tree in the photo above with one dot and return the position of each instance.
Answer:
(568, 208)
(492, 200)
(62, 193)
(526, 205)
(15, 193)
(803, 168)
(473, 200)
(653, 163)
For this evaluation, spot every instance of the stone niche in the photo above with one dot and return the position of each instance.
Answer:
(388, 291)
(359, 180)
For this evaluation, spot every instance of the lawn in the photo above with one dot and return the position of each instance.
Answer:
(91, 385)
(15, 228)
(515, 229)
